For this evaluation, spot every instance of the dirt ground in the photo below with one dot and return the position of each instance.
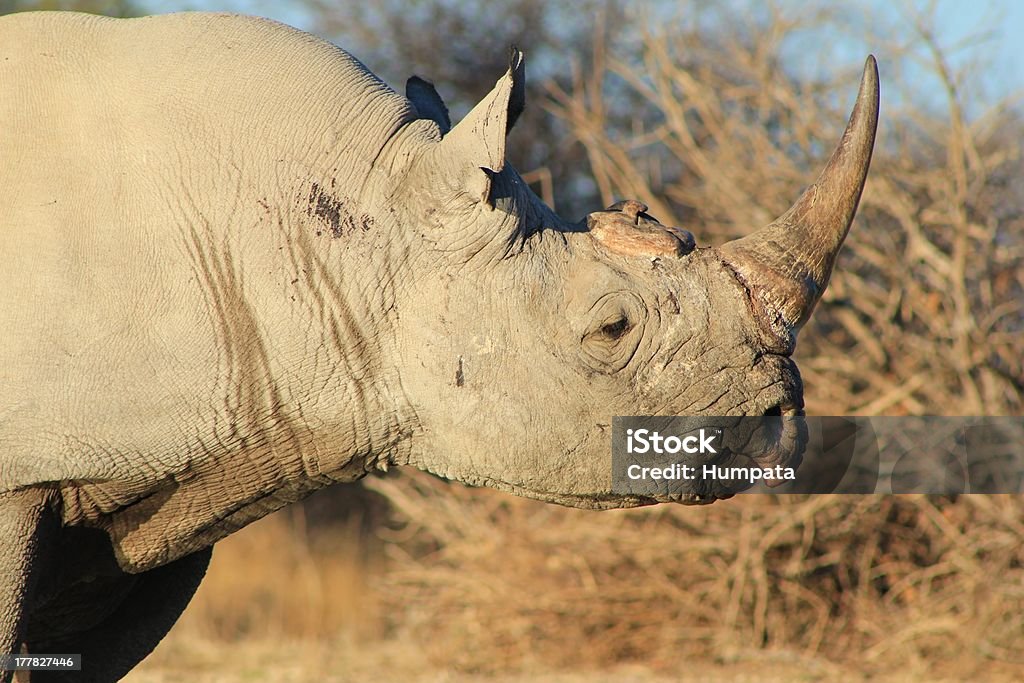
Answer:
(181, 659)
(192, 660)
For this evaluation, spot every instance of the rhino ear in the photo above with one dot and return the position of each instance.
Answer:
(428, 103)
(478, 141)
(517, 100)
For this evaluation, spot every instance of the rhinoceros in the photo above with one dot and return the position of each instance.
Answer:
(238, 267)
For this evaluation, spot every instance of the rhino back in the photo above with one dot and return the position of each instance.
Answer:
(153, 171)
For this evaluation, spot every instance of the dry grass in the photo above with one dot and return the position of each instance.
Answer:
(279, 580)
(477, 582)
(876, 583)
(924, 316)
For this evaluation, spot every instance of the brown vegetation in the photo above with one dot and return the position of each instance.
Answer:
(924, 316)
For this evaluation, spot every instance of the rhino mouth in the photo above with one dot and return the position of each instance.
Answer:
(773, 443)
(786, 447)
(776, 441)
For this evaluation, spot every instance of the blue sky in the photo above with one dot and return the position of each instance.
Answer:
(1004, 21)
(999, 24)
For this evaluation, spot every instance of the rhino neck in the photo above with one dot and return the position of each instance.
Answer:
(327, 312)
(300, 389)
(278, 199)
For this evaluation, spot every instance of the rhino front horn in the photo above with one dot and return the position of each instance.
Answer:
(787, 263)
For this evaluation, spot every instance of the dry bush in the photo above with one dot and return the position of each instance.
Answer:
(487, 583)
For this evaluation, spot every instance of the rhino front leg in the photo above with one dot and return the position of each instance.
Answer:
(27, 526)
(123, 639)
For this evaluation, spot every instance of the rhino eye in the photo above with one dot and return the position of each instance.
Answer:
(616, 329)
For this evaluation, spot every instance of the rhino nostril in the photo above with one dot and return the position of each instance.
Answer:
(774, 411)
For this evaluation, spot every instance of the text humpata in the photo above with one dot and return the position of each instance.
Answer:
(641, 441)
(677, 471)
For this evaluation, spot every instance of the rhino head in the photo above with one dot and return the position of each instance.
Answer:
(521, 334)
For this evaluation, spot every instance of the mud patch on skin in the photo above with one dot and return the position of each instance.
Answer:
(332, 215)
(460, 376)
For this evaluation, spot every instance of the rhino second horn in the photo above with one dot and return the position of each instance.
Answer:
(629, 232)
(788, 262)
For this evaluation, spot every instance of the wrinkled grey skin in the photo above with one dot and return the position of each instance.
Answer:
(238, 268)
